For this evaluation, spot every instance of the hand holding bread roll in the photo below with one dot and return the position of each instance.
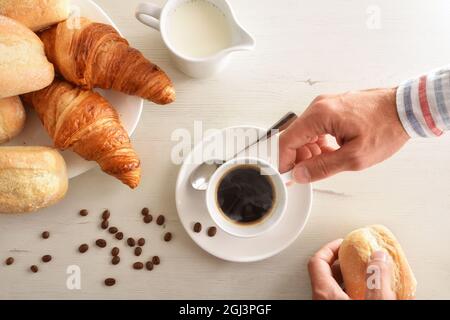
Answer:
(12, 118)
(354, 256)
(23, 64)
(31, 178)
(35, 14)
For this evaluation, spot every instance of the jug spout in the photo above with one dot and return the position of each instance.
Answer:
(244, 41)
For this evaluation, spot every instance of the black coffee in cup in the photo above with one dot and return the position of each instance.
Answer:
(244, 195)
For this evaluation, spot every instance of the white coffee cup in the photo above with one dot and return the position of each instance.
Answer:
(158, 18)
(279, 182)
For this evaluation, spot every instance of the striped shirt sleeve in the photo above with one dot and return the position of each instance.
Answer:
(423, 104)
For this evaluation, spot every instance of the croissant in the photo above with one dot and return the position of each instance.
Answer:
(95, 55)
(85, 122)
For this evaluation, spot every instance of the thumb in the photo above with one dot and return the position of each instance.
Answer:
(379, 277)
(322, 166)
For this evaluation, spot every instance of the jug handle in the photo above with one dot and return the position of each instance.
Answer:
(148, 14)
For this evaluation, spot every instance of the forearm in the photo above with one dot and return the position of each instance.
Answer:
(423, 104)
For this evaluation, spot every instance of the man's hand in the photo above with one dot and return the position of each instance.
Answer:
(365, 124)
(325, 273)
(326, 278)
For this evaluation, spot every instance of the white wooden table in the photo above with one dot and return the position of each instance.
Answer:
(304, 48)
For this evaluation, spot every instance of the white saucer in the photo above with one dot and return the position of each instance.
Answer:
(128, 107)
(191, 208)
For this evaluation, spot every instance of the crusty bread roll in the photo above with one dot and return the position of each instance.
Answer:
(23, 64)
(354, 255)
(35, 14)
(31, 178)
(12, 118)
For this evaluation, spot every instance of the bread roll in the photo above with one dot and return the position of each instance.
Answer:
(12, 118)
(35, 14)
(31, 178)
(23, 64)
(354, 255)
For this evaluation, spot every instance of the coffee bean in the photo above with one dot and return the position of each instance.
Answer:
(137, 251)
(106, 214)
(149, 265)
(9, 261)
(141, 242)
(119, 235)
(45, 234)
(212, 231)
(148, 218)
(156, 260)
(110, 282)
(34, 268)
(84, 212)
(160, 220)
(115, 251)
(115, 260)
(47, 258)
(131, 242)
(138, 265)
(113, 230)
(83, 248)
(105, 224)
(145, 211)
(167, 237)
(197, 227)
(100, 243)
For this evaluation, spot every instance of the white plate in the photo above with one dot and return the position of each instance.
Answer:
(128, 107)
(192, 208)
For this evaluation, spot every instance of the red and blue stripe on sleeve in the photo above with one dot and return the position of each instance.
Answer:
(423, 104)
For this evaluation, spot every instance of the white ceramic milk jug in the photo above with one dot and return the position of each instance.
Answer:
(200, 34)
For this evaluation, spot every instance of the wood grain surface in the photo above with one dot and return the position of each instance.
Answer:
(303, 48)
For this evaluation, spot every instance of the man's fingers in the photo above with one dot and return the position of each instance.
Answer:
(301, 132)
(323, 283)
(323, 166)
(320, 264)
(379, 277)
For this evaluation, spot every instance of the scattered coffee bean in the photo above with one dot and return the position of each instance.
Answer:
(45, 234)
(34, 268)
(168, 236)
(137, 251)
(47, 258)
(156, 260)
(148, 218)
(119, 235)
(138, 265)
(84, 212)
(115, 251)
(100, 243)
(131, 242)
(113, 230)
(149, 265)
(141, 242)
(106, 214)
(160, 220)
(83, 248)
(105, 224)
(197, 227)
(115, 260)
(145, 211)
(9, 261)
(110, 282)
(212, 231)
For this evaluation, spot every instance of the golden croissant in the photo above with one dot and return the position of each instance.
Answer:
(95, 55)
(85, 122)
